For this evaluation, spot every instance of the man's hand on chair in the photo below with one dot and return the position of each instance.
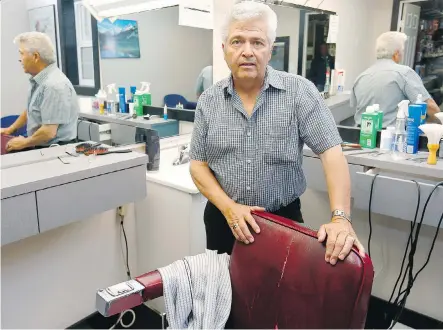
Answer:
(238, 217)
(340, 238)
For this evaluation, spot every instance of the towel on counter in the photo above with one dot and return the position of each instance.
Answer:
(197, 291)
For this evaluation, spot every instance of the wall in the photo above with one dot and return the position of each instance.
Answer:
(49, 281)
(15, 83)
(288, 25)
(172, 56)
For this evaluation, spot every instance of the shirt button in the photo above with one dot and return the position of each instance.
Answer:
(248, 134)
(248, 188)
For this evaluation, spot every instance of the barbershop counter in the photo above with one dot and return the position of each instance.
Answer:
(48, 188)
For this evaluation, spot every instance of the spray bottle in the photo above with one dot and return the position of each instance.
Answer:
(424, 109)
(110, 100)
(101, 98)
(399, 144)
(146, 92)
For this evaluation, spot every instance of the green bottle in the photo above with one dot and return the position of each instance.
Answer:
(369, 128)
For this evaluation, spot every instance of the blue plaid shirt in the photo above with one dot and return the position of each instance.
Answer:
(52, 100)
(258, 159)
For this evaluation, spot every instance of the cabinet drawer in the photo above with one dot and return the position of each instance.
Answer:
(397, 198)
(315, 175)
(19, 218)
(79, 200)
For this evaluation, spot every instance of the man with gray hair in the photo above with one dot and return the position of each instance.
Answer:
(387, 82)
(249, 133)
(52, 113)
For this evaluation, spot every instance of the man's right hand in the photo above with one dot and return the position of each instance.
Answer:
(238, 217)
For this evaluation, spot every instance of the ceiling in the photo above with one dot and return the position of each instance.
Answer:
(431, 9)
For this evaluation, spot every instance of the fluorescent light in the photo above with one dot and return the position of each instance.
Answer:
(137, 8)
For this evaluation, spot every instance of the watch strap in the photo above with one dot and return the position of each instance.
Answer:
(341, 214)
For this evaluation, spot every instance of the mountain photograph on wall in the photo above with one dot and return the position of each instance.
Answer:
(118, 39)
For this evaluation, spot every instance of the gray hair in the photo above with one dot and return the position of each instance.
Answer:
(247, 10)
(37, 42)
(389, 43)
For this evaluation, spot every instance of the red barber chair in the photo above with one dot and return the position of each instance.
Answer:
(279, 281)
(4, 139)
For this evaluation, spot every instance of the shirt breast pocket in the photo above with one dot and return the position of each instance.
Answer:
(224, 141)
(281, 146)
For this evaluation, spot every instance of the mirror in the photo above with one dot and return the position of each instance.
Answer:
(299, 45)
(152, 47)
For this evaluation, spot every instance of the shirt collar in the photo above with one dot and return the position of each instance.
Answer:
(272, 78)
(42, 75)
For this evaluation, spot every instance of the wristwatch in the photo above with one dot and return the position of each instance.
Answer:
(341, 214)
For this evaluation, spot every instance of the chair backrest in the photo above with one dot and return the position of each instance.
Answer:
(7, 121)
(171, 100)
(283, 281)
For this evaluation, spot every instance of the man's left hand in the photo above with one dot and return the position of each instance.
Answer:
(341, 238)
(17, 143)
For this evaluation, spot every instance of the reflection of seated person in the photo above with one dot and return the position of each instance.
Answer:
(204, 80)
(53, 108)
(387, 82)
(320, 64)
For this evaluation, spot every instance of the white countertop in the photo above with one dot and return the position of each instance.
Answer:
(39, 169)
(371, 158)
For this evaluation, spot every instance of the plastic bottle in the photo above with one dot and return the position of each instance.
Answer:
(110, 100)
(399, 144)
(327, 84)
(369, 128)
(380, 116)
(387, 136)
(122, 99)
(146, 92)
(165, 112)
(424, 110)
(412, 130)
(101, 98)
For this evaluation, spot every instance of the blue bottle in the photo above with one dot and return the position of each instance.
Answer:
(122, 99)
(412, 130)
(424, 109)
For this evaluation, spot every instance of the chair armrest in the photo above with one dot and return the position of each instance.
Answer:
(153, 284)
(118, 298)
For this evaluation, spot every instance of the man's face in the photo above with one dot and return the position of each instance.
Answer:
(28, 60)
(247, 49)
(323, 50)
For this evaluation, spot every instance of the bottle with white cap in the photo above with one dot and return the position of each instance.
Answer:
(399, 144)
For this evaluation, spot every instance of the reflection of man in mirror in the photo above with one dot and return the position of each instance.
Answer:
(321, 63)
(204, 80)
(387, 82)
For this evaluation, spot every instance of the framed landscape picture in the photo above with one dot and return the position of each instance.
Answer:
(118, 39)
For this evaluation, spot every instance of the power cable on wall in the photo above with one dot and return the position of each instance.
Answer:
(121, 214)
(402, 294)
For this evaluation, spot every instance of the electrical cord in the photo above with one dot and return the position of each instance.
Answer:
(411, 247)
(369, 215)
(120, 320)
(128, 273)
(401, 299)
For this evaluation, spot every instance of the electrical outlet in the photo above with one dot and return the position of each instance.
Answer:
(121, 210)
